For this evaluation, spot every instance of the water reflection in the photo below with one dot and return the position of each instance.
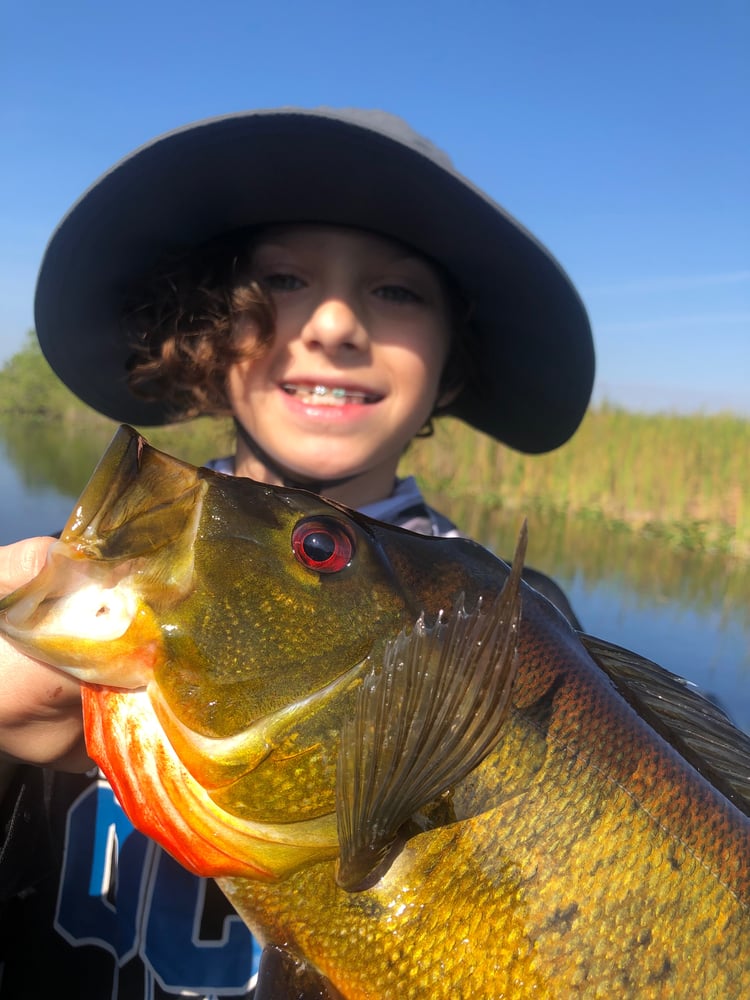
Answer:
(686, 610)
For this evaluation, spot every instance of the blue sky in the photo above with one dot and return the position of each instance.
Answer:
(617, 133)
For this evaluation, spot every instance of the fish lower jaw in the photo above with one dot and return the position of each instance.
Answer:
(97, 635)
(91, 613)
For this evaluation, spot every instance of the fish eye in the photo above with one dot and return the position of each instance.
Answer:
(322, 544)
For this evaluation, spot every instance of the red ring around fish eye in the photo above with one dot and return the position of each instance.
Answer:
(322, 544)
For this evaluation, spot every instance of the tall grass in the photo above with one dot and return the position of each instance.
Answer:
(683, 478)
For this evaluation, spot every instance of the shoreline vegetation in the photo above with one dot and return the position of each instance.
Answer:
(683, 480)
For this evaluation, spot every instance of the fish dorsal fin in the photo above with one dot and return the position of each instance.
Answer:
(425, 719)
(282, 976)
(697, 728)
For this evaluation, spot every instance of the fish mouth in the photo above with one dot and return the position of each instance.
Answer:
(322, 394)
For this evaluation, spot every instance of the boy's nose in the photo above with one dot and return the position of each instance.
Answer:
(334, 324)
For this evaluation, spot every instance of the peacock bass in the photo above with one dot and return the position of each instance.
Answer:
(410, 776)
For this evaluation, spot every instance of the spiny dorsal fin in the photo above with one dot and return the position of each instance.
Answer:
(696, 727)
(423, 721)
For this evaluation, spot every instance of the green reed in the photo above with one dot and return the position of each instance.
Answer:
(684, 479)
(681, 479)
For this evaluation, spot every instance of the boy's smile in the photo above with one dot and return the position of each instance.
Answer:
(353, 371)
(329, 395)
(318, 400)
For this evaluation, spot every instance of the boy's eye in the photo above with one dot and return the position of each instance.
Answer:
(282, 282)
(397, 293)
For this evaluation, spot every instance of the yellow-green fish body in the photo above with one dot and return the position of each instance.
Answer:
(407, 772)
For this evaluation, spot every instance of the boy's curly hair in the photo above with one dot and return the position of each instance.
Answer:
(188, 323)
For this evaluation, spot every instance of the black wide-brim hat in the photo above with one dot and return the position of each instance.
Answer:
(346, 167)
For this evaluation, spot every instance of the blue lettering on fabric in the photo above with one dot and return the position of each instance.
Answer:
(173, 912)
(120, 891)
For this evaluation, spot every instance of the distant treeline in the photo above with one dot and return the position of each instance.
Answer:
(30, 389)
(684, 479)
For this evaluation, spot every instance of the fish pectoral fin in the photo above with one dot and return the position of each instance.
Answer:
(281, 974)
(423, 721)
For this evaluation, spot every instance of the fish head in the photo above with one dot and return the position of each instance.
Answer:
(221, 628)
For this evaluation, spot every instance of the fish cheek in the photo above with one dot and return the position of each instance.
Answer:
(283, 790)
(240, 647)
(260, 630)
(297, 780)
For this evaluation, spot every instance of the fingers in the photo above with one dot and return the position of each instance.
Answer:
(21, 561)
(40, 707)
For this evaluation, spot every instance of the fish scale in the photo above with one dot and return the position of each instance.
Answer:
(278, 725)
(550, 898)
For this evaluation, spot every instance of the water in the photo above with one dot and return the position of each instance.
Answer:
(687, 611)
(28, 508)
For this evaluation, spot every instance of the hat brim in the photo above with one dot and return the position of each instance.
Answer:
(266, 167)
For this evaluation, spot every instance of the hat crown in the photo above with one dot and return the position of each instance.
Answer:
(393, 127)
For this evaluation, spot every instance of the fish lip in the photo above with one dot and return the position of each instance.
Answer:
(326, 385)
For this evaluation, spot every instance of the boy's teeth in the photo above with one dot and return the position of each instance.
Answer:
(327, 394)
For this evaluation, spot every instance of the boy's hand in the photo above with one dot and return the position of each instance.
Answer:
(40, 707)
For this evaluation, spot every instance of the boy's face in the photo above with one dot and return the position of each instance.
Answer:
(352, 373)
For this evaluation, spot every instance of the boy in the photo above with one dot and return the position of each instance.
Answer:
(328, 279)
